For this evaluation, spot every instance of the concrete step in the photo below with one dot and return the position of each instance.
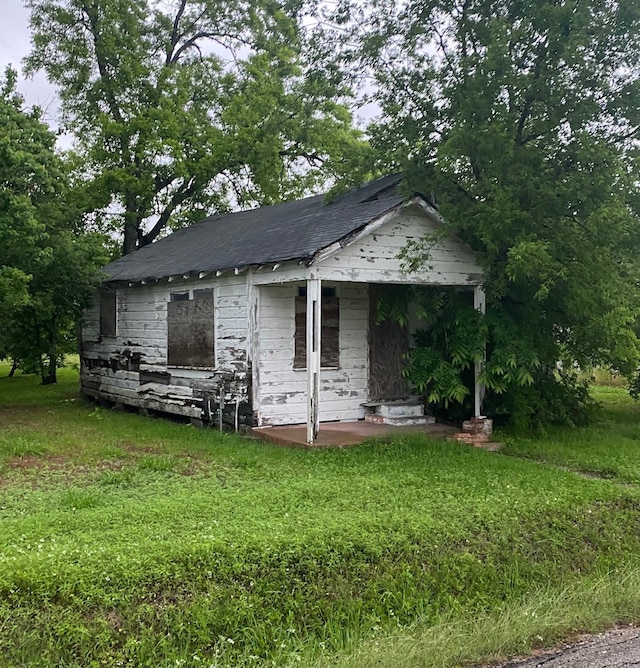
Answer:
(397, 410)
(408, 420)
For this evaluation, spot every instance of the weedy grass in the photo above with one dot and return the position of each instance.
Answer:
(543, 618)
(610, 448)
(140, 542)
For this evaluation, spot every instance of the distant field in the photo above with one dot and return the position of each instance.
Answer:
(130, 541)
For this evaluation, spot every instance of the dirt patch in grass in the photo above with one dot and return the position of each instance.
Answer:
(137, 449)
(50, 462)
(22, 416)
(32, 470)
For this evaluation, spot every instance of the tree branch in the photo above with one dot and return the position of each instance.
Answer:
(186, 190)
(101, 60)
(175, 36)
(530, 97)
(161, 183)
(192, 42)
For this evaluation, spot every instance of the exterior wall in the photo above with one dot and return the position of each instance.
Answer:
(281, 397)
(131, 368)
(374, 258)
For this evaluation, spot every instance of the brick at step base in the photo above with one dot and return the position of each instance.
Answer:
(466, 437)
(406, 421)
(477, 440)
(478, 425)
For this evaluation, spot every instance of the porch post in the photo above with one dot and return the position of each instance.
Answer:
(479, 303)
(314, 297)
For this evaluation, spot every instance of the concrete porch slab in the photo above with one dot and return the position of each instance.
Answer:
(342, 434)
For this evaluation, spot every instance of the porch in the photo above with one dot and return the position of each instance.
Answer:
(320, 353)
(343, 434)
(324, 359)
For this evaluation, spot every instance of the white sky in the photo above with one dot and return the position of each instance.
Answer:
(15, 43)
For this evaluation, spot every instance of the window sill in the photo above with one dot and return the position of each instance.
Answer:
(322, 368)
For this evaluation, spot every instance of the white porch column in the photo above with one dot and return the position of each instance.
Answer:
(479, 303)
(314, 298)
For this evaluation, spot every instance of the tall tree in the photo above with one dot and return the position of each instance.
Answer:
(522, 118)
(47, 267)
(189, 106)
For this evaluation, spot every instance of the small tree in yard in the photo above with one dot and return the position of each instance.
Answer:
(47, 266)
(522, 118)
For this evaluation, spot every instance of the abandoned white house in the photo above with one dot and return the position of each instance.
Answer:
(268, 316)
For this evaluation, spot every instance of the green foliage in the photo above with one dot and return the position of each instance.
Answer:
(521, 120)
(47, 266)
(245, 554)
(451, 340)
(190, 108)
(552, 398)
(434, 377)
(451, 337)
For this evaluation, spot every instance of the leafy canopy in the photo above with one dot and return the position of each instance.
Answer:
(521, 117)
(189, 107)
(46, 266)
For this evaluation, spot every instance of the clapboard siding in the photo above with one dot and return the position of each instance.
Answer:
(374, 258)
(141, 344)
(282, 395)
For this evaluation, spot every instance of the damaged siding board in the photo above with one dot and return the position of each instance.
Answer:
(231, 326)
(289, 271)
(132, 368)
(282, 392)
(91, 323)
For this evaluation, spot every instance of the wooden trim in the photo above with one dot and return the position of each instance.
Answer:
(314, 311)
(479, 303)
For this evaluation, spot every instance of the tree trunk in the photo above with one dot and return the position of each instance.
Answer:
(51, 377)
(130, 243)
(14, 368)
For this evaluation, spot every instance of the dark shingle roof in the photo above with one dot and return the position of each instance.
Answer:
(290, 231)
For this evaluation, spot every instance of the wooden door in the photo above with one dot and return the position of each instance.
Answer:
(388, 342)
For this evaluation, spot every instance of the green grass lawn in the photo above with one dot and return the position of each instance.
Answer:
(130, 541)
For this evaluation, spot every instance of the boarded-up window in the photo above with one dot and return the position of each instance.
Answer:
(329, 334)
(108, 313)
(190, 330)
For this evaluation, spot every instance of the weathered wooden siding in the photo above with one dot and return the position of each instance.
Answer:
(131, 367)
(282, 394)
(374, 259)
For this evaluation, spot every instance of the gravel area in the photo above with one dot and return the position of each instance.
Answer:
(619, 648)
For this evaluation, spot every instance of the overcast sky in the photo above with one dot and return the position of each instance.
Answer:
(14, 46)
